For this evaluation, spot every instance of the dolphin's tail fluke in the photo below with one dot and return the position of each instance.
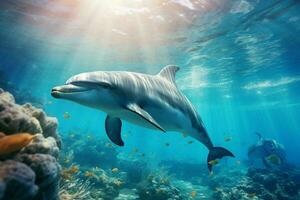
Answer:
(216, 153)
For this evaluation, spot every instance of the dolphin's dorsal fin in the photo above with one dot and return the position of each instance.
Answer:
(169, 72)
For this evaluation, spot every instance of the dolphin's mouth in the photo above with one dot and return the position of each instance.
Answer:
(59, 91)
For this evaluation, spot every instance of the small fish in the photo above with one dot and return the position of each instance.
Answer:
(213, 162)
(67, 161)
(115, 170)
(274, 159)
(143, 155)
(89, 137)
(184, 135)
(108, 145)
(135, 150)
(190, 142)
(167, 144)
(118, 183)
(193, 194)
(217, 189)
(66, 115)
(228, 139)
(251, 195)
(238, 162)
(88, 174)
(163, 181)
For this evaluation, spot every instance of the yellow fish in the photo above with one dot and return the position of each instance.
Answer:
(67, 161)
(193, 194)
(115, 170)
(213, 162)
(274, 159)
(66, 115)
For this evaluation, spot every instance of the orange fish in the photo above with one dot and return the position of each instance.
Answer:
(193, 194)
(66, 115)
(13, 143)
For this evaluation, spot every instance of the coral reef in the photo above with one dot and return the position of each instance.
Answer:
(75, 190)
(256, 184)
(33, 169)
(158, 186)
(135, 170)
(25, 118)
(74, 144)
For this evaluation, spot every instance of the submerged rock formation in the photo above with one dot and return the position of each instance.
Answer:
(32, 172)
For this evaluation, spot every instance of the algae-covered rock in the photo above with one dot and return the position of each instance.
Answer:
(17, 181)
(42, 145)
(16, 118)
(32, 172)
(47, 172)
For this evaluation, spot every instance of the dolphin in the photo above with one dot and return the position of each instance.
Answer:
(151, 101)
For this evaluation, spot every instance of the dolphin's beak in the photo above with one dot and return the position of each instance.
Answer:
(61, 91)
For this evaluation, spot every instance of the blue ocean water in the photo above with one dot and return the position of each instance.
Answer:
(239, 66)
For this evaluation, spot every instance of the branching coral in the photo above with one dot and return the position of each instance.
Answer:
(75, 190)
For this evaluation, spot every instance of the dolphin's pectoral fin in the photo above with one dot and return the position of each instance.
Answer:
(113, 126)
(144, 115)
